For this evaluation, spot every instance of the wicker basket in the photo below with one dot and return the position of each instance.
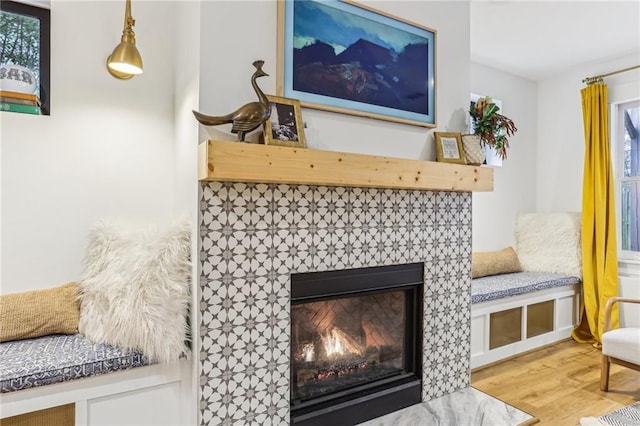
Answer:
(473, 149)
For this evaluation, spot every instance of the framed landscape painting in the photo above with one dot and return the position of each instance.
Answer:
(345, 57)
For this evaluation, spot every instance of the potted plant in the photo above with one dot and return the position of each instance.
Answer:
(493, 128)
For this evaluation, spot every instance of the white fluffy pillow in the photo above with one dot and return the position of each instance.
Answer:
(134, 292)
(549, 242)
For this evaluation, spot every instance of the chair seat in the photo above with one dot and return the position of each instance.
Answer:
(622, 343)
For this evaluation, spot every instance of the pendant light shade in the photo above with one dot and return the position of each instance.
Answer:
(125, 61)
(126, 58)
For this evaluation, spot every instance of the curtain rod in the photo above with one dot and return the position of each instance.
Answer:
(598, 78)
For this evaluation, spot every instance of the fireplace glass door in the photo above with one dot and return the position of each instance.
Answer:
(355, 343)
(341, 343)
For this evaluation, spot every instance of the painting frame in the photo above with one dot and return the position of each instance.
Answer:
(449, 147)
(386, 79)
(293, 125)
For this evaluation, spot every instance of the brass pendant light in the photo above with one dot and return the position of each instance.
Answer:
(125, 61)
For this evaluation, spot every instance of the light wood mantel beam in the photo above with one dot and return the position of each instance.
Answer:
(244, 162)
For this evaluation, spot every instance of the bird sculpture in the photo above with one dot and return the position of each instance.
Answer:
(249, 116)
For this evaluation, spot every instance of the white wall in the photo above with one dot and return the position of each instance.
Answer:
(494, 213)
(561, 134)
(187, 95)
(106, 151)
(629, 286)
(227, 55)
(185, 184)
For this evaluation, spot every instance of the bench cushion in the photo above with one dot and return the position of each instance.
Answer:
(51, 359)
(505, 285)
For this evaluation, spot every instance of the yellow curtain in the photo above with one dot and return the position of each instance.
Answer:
(599, 247)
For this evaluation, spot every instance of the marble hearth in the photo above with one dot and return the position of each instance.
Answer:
(253, 236)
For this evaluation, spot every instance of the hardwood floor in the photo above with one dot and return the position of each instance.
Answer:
(559, 384)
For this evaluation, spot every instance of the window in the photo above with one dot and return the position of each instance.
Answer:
(24, 41)
(626, 144)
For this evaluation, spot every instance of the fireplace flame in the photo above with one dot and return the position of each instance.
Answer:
(332, 344)
(308, 352)
(337, 344)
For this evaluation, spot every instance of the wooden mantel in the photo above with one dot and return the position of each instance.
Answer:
(245, 162)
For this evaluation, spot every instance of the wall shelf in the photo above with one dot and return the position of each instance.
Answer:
(245, 162)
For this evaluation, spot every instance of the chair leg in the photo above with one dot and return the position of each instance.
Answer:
(604, 373)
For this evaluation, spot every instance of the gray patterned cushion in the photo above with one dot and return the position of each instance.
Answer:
(505, 285)
(58, 358)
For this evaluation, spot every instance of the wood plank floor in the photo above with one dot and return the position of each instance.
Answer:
(559, 384)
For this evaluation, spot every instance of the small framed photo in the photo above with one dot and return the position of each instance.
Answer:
(449, 147)
(285, 126)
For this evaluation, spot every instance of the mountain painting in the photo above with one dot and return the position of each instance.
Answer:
(348, 57)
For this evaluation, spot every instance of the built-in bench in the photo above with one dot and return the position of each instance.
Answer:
(134, 293)
(529, 297)
(56, 370)
(516, 312)
(98, 384)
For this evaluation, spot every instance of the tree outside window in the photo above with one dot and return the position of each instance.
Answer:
(24, 41)
(628, 142)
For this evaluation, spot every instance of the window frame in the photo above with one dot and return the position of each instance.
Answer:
(617, 141)
(44, 16)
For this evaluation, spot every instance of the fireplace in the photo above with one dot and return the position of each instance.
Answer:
(254, 237)
(356, 343)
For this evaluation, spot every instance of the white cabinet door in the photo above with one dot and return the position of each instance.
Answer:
(153, 406)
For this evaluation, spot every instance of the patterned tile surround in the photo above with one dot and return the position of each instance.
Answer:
(253, 236)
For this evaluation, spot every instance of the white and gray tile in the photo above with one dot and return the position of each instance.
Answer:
(253, 236)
